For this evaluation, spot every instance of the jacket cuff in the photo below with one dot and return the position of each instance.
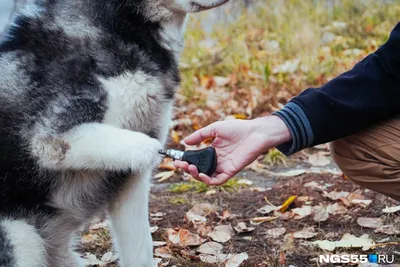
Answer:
(299, 126)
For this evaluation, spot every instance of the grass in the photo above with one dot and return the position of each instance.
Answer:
(233, 184)
(262, 44)
(274, 157)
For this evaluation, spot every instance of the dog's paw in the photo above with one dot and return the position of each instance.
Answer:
(147, 153)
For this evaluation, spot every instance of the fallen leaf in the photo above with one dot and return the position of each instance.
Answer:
(99, 225)
(302, 212)
(276, 232)
(318, 159)
(88, 238)
(314, 185)
(305, 233)
(156, 262)
(245, 182)
(287, 203)
(159, 243)
(320, 213)
(167, 164)
(242, 228)
(335, 195)
(370, 222)
(361, 202)
(267, 209)
(157, 214)
(391, 209)
(236, 260)
(163, 176)
(183, 238)
(163, 252)
(210, 248)
(204, 230)
(90, 259)
(198, 212)
(260, 220)
(153, 229)
(221, 233)
(347, 241)
(109, 257)
(225, 215)
(336, 209)
(387, 229)
(213, 258)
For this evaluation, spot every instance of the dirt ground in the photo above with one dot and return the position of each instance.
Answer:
(244, 202)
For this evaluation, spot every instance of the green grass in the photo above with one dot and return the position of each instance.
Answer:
(298, 27)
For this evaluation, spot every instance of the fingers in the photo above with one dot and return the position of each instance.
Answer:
(202, 134)
(217, 180)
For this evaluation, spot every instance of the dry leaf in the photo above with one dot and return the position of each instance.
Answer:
(260, 220)
(242, 228)
(236, 260)
(302, 212)
(163, 252)
(276, 232)
(314, 185)
(267, 209)
(321, 214)
(347, 241)
(335, 195)
(318, 160)
(305, 233)
(153, 229)
(391, 209)
(210, 248)
(163, 176)
(198, 212)
(159, 243)
(225, 215)
(387, 229)
(361, 202)
(88, 238)
(370, 222)
(336, 209)
(183, 238)
(109, 257)
(167, 164)
(221, 233)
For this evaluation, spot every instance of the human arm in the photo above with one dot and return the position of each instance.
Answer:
(238, 143)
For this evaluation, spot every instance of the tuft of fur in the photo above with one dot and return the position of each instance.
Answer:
(86, 95)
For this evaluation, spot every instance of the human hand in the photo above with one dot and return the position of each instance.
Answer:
(238, 143)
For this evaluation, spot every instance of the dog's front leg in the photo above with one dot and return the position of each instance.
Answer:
(96, 147)
(130, 223)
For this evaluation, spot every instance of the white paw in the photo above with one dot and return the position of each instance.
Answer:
(147, 151)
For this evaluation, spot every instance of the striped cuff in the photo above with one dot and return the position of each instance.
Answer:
(299, 126)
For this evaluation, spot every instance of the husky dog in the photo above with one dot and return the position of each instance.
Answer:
(86, 93)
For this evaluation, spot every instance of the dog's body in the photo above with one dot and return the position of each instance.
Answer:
(86, 93)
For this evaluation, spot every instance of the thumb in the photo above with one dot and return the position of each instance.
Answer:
(202, 134)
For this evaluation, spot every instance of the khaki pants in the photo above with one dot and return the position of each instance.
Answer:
(371, 158)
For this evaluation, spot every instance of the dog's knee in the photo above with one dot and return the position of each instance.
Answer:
(21, 245)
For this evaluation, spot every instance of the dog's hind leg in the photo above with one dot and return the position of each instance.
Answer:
(20, 245)
(130, 223)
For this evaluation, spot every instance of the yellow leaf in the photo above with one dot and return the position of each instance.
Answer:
(240, 116)
(175, 137)
(287, 203)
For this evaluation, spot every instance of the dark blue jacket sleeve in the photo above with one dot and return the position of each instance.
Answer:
(355, 100)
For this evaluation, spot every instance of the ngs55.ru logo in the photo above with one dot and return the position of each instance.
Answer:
(371, 258)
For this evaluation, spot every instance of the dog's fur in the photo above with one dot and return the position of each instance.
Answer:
(86, 93)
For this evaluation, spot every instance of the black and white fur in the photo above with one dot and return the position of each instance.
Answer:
(86, 93)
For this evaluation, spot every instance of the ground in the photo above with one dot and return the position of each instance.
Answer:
(236, 203)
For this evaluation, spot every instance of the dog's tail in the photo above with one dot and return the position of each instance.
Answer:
(20, 245)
